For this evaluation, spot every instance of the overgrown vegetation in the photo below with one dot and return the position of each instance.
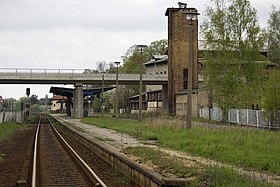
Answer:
(234, 38)
(246, 147)
(6, 129)
(274, 35)
(196, 174)
(271, 97)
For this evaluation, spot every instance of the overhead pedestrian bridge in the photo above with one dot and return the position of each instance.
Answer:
(74, 76)
(78, 77)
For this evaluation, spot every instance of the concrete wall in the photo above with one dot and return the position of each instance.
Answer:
(256, 118)
(12, 116)
(156, 70)
(199, 100)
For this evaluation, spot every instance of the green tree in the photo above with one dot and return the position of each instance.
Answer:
(9, 104)
(132, 57)
(34, 99)
(101, 66)
(132, 63)
(96, 103)
(271, 96)
(274, 35)
(158, 47)
(233, 39)
(24, 99)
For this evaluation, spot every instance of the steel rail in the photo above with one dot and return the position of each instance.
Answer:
(77, 156)
(34, 168)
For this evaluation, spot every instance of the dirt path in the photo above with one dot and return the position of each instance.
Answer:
(121, 140)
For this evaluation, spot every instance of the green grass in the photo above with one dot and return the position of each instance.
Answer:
(195, 175)
(6, 129)
(247, 147)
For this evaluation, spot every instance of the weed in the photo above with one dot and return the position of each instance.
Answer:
(196, 175)
(6, 129)
(241, 146)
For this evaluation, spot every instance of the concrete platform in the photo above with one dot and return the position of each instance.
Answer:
(108, 144)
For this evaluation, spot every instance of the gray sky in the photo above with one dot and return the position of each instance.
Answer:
(79, 33)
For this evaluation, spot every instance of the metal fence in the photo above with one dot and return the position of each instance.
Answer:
(11, 116)
(256, 118)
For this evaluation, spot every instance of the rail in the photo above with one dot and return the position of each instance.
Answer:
(77, 156)
(34, 168)
(73, 153)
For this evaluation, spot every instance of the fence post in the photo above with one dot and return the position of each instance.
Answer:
(237, 116)
(1, 117)
(257, 116)
(247, 116)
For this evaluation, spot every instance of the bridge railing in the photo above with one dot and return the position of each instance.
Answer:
(49, 72)
(16, 71)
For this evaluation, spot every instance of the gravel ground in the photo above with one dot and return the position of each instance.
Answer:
(16, 150)
(107, 174)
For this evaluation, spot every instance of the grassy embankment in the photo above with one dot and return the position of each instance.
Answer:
(246, 147)
(6, 129)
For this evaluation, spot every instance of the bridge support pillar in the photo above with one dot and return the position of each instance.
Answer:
(78, 101)
(68, 106)
(165, 99)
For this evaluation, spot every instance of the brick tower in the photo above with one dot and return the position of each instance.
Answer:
(178, 54)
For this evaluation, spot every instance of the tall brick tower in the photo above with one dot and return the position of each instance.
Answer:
(178, 54)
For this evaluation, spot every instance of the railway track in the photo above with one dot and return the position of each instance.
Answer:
(55, 163)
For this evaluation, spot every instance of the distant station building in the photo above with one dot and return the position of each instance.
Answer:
(64, 97)
(58, 104)
(153, 95)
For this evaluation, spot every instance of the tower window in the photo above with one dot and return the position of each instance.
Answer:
(185, 78)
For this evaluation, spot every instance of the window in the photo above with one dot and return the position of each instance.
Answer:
(160, 96)
(185, 78)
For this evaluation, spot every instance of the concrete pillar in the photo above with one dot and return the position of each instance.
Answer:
(78, 100)
(165, 99)
(68, 106)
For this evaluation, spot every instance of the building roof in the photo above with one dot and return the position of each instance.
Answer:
(58, 97)
(157, 59)
(135, 96)
(176, 9)
(69, 92)
(154, 91)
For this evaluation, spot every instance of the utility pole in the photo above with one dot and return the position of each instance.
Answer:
(191, 16)
(102, 95)
(117, 89)
(141, 81)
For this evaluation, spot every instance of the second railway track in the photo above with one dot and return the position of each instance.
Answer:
(56, 163)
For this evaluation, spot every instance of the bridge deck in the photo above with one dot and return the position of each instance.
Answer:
(73, 76)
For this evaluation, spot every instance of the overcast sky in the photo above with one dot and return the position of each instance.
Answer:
(79, 33)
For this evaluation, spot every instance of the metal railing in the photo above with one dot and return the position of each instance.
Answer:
(78, 72)
(16, 71)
